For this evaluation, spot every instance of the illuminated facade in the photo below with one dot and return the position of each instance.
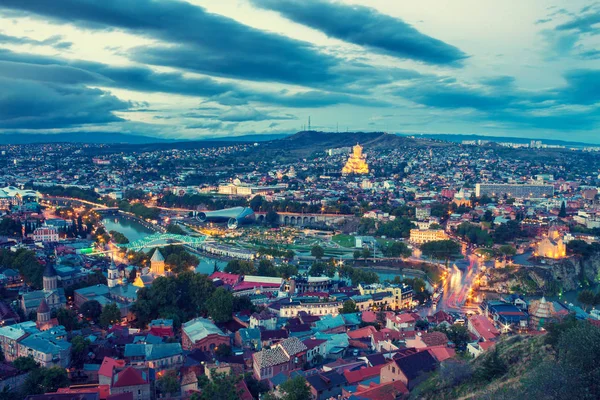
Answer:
(157, 263)
(421, 236)
(552, 246)
(357, 163)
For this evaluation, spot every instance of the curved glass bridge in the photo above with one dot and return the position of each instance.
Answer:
(164, 239)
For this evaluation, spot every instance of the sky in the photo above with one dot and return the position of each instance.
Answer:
(204, 69)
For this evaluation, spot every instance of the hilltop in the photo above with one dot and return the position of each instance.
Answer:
(306, 142)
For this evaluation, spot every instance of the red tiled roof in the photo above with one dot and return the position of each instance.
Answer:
(229, 279)
(486, 345)
(484, 327)
(129, 377)
(434, 338)
(243, 391)
(108, 364)
(386, 391)
(368, 316)
(361, 374)
(442, 353)
(364, 332)
(102, 390)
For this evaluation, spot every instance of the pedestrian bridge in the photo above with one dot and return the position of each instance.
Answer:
(164, 239)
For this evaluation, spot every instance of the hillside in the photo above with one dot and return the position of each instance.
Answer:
(306, 142)
(561, 364)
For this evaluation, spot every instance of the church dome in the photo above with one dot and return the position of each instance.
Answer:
(43, 308)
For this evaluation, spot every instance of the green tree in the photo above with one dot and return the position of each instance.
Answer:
(175, 229)
(266, 268)
(45, 380)
(349, 307)
(587, 298)
(365, 253)
(169, 384)
(110, 315)
(79, 350)
(181, 297)
(440, 249)
(492, 366)
(272, 218)
(396, 249)
(221, 387)
(317, 252)
(295, 389)
(242, 303)
(563, 210)
(91, 310)
(507, 250)
(220, 305)
(240, 267)
(287, 270)
(25, 364)
(398, 228)
(118, 237)
(67, 318)
(223, 351)
(356, 255)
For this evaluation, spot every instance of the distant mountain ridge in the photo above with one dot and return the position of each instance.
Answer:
(458, 138)
(120, 138)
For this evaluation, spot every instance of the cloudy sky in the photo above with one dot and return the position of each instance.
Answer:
(207, 68)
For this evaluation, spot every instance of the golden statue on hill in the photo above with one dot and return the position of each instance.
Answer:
(357, 163)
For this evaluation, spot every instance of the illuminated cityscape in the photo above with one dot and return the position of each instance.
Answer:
(299, 200)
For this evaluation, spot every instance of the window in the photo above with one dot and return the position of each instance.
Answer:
(393, 370)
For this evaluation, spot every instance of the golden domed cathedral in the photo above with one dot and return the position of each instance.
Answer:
(357, 163)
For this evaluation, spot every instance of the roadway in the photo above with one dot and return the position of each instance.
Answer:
(458, 285)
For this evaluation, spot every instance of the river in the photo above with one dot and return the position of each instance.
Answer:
(133, 231)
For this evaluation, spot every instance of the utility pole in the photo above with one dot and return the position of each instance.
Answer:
(309, 122)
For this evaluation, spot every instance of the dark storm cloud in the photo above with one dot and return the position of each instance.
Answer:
(244, 114)
(570, 106)
(37, 105)
(583, 87)
(55, 41)
(313, 98)
(367, 27)
(502, 80)
(566, 37)
(200, 41)
(144, 79)
(48, 73)
(454, 96)
(136, 78)
(586, 23)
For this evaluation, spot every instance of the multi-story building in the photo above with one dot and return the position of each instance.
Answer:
(157, 356)
(401, 294)
(132, 380)
(201, 333)
(286, 355)
(311, 284)
(291, 309)
(523, 191)
(49, 348)
(420, 236)
(264, 320)
(45, 234)
(11, 334)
